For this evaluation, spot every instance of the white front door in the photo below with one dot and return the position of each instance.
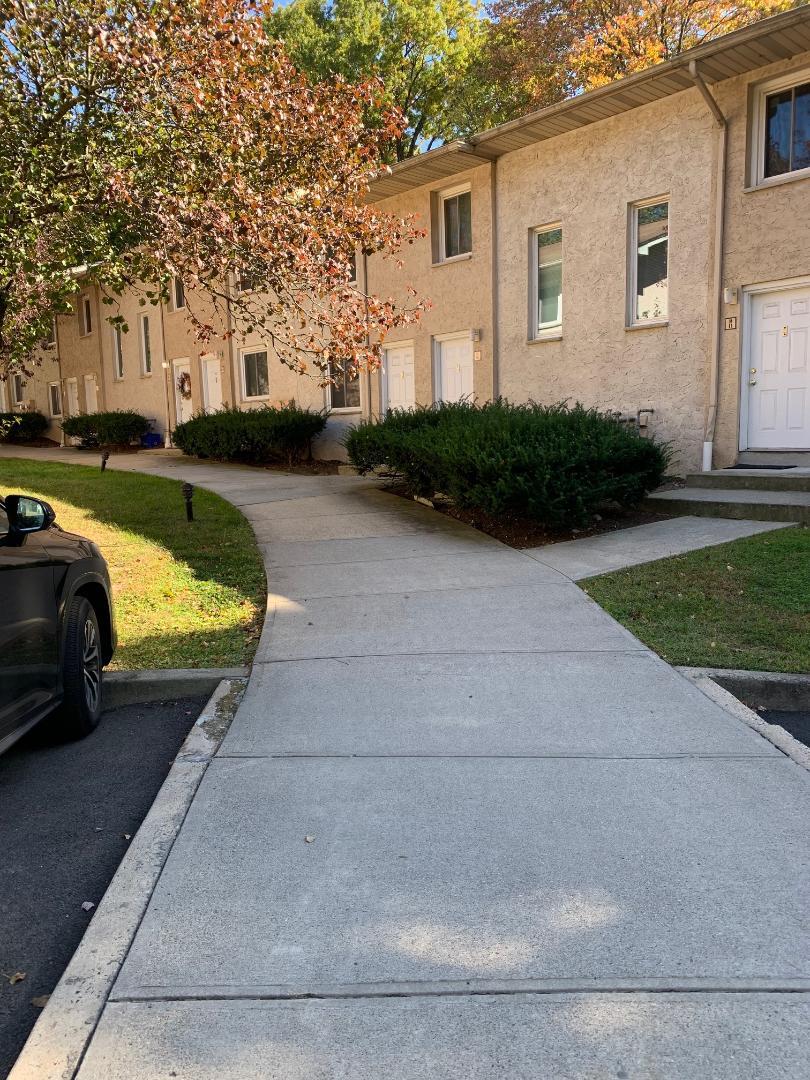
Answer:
(454, 380)
(778, 373)
(90, 394)
(181, 369)
(399, 377)
(212, 383)
(72, 397)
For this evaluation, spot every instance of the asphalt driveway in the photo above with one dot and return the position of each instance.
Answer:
(66, 810)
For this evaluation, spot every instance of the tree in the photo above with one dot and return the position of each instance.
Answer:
(426, 53)
(542, 51)
(142, 139)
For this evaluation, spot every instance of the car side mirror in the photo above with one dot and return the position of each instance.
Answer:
(27, 515)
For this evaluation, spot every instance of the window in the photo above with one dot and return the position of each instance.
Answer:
(255, 381)
(649, 262)
(17, 390)
(353, 270)
(55, 398)
(85, 316)
(245, 281)
(344, 392)
(787, 131)
(118, 353)
(177, 294)
(547, 289)
(146, 346)
(456, 224)
(50, 338)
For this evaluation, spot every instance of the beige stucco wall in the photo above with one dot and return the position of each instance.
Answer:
(586, 181)
(460, 291)
(767, 239)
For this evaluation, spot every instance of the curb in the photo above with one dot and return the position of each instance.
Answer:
(775, 734)
(56, 1045)
(164, 684)
(761, 689)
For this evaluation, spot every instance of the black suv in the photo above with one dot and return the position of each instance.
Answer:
(57, 629)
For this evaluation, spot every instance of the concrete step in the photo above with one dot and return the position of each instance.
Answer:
(774, 457)
(751, 480)
(734, 503)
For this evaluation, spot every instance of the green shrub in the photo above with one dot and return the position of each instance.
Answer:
(254, 435)
(119, 428)
(554, 464)
(22, 427)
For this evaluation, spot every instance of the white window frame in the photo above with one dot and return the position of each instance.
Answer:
(542, 331)
(17, 399)
(50, 341)
(58, 387)
(632, 322)
(343, 410)
(250, 351)
(85, 316)
(756, 160)
(451, 193)
(173, 305)
(146, 336)
(118, 353)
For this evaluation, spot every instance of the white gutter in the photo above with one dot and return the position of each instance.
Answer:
(717, 267)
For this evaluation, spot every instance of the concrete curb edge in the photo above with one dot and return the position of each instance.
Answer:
(776, 735)
(164, 684)
(762, 689)
(56, 1045)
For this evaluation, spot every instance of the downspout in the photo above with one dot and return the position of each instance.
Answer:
(717, 260)
(164, 367)
(494, 279)
(61, 380)
(369, 411)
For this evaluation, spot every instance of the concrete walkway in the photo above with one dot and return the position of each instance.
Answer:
(592, 555)
(464, 825)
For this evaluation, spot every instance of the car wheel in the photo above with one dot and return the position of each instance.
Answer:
(81, 670)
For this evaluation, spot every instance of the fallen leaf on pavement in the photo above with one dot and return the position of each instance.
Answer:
(18, 976)
(88, 905)
(309, 839)
(41, 1001)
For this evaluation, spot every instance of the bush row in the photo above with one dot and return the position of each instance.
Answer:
(554, 464)
(118, 428)
(22, 427)
(256, 435)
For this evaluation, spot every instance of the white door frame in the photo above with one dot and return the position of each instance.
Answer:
(436, 356)
(186, 362)
(72, 384)
(205, 360)
(409, 344)
(748, 294)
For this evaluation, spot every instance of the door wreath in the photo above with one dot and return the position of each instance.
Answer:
(184, 385)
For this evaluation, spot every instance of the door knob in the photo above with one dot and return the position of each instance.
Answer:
(752, 382)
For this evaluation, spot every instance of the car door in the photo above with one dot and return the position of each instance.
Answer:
(28, 629)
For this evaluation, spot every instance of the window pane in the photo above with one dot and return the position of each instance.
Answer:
(256, 379)
(464, 223)
(652, 251)
(119, 353)
(451, 227)
(778, 109)
(179, 294)
(801, 128)
(549, 278)
(344, 392)
(56, 402)
(147, 346)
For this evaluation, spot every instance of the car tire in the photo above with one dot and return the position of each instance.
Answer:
(81, 671)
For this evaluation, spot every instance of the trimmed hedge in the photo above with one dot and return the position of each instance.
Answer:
(255, 436)
(118, 428)
(554, 464)
(22, 426)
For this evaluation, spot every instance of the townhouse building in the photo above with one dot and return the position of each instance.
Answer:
(643, 248)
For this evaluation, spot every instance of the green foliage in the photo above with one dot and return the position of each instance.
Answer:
(256, 435)
(119, 428)
(426, 52)
(553, 464)
(22, 427)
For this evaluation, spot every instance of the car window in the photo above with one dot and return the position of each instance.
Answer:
(3, 522)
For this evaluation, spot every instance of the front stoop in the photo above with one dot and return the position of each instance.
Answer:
(755, 494)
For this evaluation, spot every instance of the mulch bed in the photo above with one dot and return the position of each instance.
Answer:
(524, 533)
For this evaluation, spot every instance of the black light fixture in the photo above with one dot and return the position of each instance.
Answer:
(188, 495)
(105, 457)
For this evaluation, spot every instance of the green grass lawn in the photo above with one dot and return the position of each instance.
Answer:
(740, 605)
(185, 594)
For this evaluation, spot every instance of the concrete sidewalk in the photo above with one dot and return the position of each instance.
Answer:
(463, 825)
